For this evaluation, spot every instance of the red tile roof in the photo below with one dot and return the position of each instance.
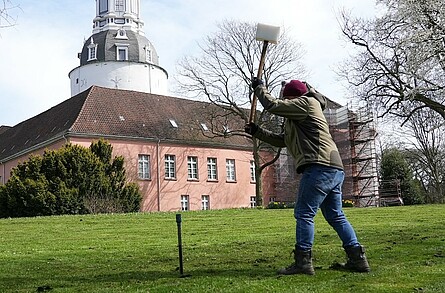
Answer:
(104, 112)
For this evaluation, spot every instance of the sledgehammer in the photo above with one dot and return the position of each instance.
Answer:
(267, 34)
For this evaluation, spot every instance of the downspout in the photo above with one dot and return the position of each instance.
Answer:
(3, 173)
(158, 174)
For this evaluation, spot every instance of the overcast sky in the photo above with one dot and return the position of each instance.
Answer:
(37, 54)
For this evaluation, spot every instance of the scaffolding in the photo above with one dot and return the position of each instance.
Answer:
(353, 130)
(390, 193)
(338, 120)
(286, 178)
(363, 160)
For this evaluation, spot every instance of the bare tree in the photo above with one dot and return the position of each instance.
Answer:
(401, 62)
(427, 158)
(222, 75)
(6, 19)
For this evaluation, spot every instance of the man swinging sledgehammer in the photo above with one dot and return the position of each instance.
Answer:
(306, 137)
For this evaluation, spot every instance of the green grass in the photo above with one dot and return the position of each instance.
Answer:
(224, 251)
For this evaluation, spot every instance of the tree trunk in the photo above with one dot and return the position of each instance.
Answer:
(258, 180)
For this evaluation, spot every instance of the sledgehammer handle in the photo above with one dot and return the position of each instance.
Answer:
(259, 75)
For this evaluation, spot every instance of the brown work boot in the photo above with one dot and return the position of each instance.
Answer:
(302, 264)
(357, 261)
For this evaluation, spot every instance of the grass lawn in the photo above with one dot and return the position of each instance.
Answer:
(224, 251)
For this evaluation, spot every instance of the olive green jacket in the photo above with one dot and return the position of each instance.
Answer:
(306, 131)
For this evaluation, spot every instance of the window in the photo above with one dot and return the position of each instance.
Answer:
(103, 6)
(144, 167)
(252, 171)
(192, 168)
(92, 50)
(148, 56)
(204, 127)
(252, 202)
(92, 53)
(121, 52)
(170, 167)
(185, 203)
(230, 170)
(205, 202)
(226, 129)
(120, 5)
(212, 169)
(173, 123)
(272, 199)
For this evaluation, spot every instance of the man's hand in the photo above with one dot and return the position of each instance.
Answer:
(251, 128)
(256, 82)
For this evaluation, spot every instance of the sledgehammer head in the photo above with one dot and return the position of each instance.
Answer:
(267, 33)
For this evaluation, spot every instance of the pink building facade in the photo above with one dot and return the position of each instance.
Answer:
(176, 167)
(176, 177)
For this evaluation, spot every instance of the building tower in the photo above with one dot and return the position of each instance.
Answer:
(117, 54)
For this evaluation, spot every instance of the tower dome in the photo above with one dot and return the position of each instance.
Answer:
(117, 54)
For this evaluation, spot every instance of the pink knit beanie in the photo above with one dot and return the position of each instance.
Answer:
(294, 88)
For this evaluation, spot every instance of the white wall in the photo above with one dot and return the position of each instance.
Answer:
(124, 75)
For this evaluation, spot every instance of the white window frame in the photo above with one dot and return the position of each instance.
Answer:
(252, 171)
(212, 169)
(205, 202)
(148, 54)
(92, 50)
(230, 170)
(192, 168)
(173, 123)
(123, 47)
(144, 167)
(204, 127)
(119, 5)
(253, 202)
(103, 6)
(170, 166)
(185, 203)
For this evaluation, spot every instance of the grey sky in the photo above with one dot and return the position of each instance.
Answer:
(37, 54)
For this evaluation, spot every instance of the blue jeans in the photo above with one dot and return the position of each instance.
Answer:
(320, 187)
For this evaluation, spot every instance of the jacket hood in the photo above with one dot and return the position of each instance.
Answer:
(318, 96)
